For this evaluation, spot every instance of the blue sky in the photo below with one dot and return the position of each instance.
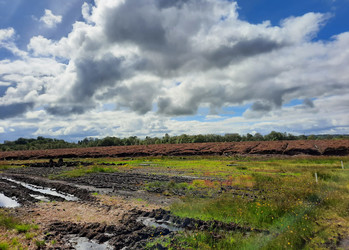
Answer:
(257, 11)
(72, 69)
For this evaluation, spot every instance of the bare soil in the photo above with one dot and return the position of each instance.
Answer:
(308, 147)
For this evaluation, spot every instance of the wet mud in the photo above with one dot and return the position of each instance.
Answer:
(28, 189)
(136, 229)
(124, 180)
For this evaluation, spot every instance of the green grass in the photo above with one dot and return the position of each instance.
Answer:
(4, 246)
(6, 167)
(298, 212)
(24, 230)
(40, 243)
(9, 222)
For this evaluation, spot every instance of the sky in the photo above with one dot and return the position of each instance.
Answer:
(72, 69)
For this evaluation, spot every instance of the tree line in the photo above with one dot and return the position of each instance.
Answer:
(49, 143)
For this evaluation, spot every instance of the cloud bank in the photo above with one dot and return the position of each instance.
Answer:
(153, 60)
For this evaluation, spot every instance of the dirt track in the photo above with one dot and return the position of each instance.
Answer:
(309, 147)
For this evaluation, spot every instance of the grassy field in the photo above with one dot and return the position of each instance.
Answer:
(278, 199)
(297, 211)
(278, 195)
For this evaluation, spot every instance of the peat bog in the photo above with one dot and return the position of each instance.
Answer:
(177, 201)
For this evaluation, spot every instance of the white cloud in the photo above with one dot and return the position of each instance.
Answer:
(7, 37)
(50, 20)
(6, 34)
(86, 10)
(159, 59)
(2, 130)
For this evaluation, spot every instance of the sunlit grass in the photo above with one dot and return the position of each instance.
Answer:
(298, 211)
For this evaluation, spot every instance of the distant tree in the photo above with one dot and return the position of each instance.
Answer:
(198, 138)
(311, 137)
(232, 137)
(107, 141)
(274, 136)
(166, 138)
(258, 137)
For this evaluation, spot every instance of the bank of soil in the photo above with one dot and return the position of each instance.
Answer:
(308, 147)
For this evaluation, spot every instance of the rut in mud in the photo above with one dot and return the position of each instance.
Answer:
(28, 189)
(136, 229)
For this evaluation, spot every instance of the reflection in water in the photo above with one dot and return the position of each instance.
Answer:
(40, 197)
(45, 190)
(151, 222)
(7, 202)
(83, 243)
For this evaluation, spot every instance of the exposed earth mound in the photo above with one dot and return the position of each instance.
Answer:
(308, 147)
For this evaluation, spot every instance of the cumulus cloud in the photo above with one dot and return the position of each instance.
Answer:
(7, 111)
(50, 20)
(7, 41)
(170, 58)
(6, 34)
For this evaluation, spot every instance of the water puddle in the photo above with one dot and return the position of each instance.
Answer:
(82, 243)
(44, 190)
(7, 202)
(40, 197)
(151, 222)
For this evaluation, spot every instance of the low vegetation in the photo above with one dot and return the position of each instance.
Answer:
(277, 201)
(24, 232)
(297, 211)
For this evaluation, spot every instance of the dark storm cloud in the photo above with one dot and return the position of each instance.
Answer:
(224, 55)
(167, 107)
(138, 97)
(168, 4)
(63, 110)
(93, 74)
(137, 22)
(12, 110)
(261, 106)
(308, 103)
(216, 95)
